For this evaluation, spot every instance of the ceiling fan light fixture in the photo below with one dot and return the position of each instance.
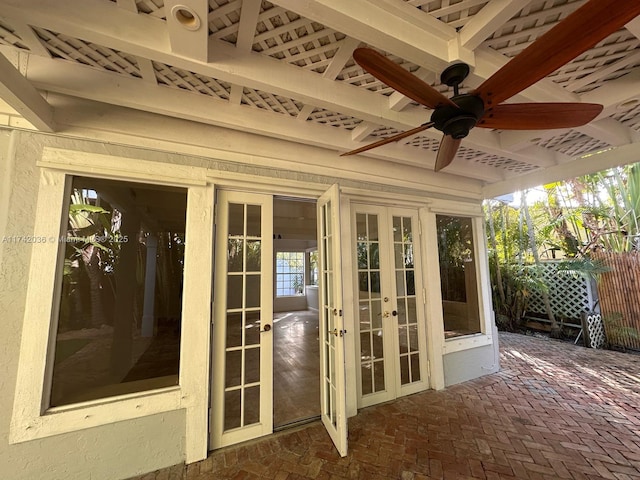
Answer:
(186, 17)
(459, 126)
(457, 122)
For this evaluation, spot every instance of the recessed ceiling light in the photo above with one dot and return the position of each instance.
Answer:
(186, 17)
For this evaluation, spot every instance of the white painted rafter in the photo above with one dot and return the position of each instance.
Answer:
(132, 93)
(488, 20)
(16, 91)
(146, 70)
(31, 39)
(128, 5)
(247, 26)
(363, 130)
(246, 32)
(634, 27)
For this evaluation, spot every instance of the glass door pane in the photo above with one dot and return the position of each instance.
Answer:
(407, 327)
(372, 359)
(242, 367)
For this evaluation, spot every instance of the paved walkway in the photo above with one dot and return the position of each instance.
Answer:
(555, 411)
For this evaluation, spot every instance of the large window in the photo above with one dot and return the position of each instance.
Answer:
(458, 276)
(312, 258)
(289, 274)
(120, 301)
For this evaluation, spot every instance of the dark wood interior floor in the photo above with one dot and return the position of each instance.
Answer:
(296, 367)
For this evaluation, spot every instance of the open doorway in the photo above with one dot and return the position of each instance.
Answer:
(296, 355)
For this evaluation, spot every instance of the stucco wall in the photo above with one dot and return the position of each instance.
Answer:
(472, 363)
(110, 452)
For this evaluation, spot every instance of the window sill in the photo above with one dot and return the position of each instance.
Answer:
(467, 342)
(70, 418)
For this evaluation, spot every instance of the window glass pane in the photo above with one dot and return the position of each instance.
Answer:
(253, 220)
(121, 299)
(458, 276)
(236, 219)
(289, 274)
(253, 255)
(313, 268)
(252, 299)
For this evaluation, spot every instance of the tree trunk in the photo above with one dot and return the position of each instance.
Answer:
(494, 246)
(556, 331)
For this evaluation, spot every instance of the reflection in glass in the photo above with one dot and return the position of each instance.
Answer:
(251, 405)
(458, 276)
(233, 368)
(234, 291)
(253, 255)
(365, 373)
(252, 328)
(253, 220)
(378, 376)
(120, 305)
(236, 219)
(235, 253)
(253, 291)
(234, 329)
(406, 300)
(232, 405)
(252, 365)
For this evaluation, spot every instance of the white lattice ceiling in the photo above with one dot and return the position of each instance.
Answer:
(287, 64)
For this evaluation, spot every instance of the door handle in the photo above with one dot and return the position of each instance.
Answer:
(337, 332)
(394, 313)
(266, 328)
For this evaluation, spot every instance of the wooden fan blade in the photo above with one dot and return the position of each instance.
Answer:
(392, 139)
(399, 79)
(447, 152)
(584, 28)
(539, 116)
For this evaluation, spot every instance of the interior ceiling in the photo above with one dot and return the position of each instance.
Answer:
(284, 69)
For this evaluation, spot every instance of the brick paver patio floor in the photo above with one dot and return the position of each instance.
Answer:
(555, 411)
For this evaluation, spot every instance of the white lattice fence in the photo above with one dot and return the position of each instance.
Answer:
(569, 295)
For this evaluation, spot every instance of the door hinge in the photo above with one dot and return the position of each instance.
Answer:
(424, 296)
(419, 227)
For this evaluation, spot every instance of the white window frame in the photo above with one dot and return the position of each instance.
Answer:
(304, 267)
(434, 290)
(31, 418)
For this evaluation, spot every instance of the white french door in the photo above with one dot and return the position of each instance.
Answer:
(391, 338)
(332, 332)
(242, 367)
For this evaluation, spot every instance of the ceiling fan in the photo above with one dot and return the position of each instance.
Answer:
(483, 107)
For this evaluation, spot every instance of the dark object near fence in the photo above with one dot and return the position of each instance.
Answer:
(593, 330)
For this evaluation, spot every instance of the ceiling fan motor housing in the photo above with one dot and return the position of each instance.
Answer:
(458, 121)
